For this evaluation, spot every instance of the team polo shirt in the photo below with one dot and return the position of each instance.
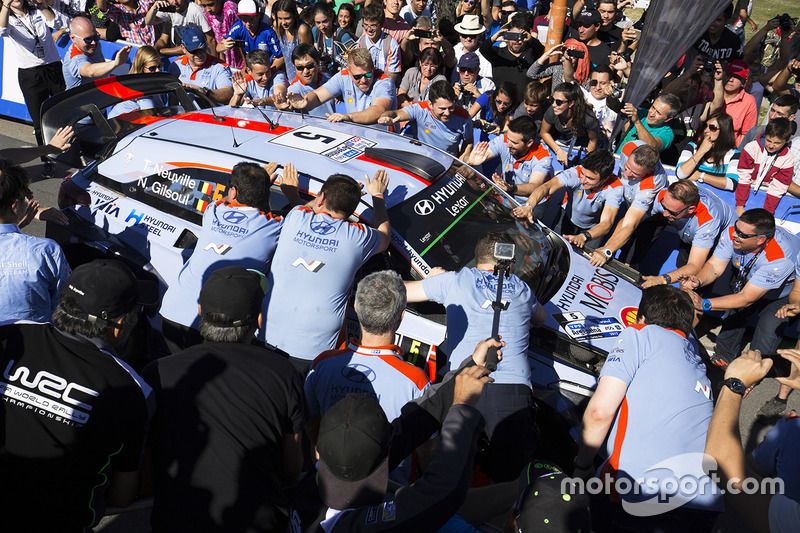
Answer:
(467, 296)
(342, 86)
(71, 65)
(232, 234)
(298, 87)
(777, 454)
(384, 62)
(446, 136)
(711, 217)
(256, 91)
(664, 416)
(212, 74)
(377, 371)
(266, 39)
(32, 272)
(640, 193)
(538, 159)
(312, 272)
(772, 268)
(586, 207)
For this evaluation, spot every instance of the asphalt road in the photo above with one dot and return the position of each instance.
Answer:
(15, 134)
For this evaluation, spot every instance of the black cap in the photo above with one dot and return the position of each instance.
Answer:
(353, 446)
(543, 507)
(234, 292)
(106, 289)
(589, 17)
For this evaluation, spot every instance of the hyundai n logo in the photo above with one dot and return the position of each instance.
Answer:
(358, 373)
(222, 249)
(322, 227)
(424, 207)
(234, 217)
(313, 266)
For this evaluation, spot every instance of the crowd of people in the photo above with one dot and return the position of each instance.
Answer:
(260, 419)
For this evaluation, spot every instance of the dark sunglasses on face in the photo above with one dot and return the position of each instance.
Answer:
(712, 127)
(155, 68)
(671, 212)
(91, 39)
(306, 66)
(198, 51)
(465, 70)
(747, 235)
(559, 102)
(359, 76)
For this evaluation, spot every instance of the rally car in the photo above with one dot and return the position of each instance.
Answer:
(145, 178)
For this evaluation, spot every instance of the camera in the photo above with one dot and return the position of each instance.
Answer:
(488, 126)
(504, 251)
(514, 36)
(708, 64)
(168, 9)
(423, 33)
(577, 54)
(785, 22)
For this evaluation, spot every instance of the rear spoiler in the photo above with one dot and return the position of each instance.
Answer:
(90, 99)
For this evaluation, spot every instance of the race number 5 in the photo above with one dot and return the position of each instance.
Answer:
(308, 136)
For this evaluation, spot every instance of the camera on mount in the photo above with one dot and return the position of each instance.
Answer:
(504, 252)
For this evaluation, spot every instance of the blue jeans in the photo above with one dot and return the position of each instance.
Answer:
(767, 335)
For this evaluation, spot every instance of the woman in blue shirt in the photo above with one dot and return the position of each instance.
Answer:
(712, 157)
(494, 109)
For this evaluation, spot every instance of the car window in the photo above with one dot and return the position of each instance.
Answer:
(444, 222)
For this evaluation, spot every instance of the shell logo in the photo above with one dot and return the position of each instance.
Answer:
(628, 315)
(427, 130)
(349, 100)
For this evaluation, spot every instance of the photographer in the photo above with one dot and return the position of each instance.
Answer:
(512, 62)
(324, 38)
(470, 85)
(182, 15)
(574, 64)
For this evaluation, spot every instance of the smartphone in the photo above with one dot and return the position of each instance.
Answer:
(168, 9)
(239, 44)
(578, 54)
(781, 368)
(514, 36)
(423, 33)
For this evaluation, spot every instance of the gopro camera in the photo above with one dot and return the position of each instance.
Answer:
(514, 36)
(577, 54)
(504, 251)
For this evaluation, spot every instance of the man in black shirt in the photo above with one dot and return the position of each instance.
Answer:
(226, 436)
(609, 32)
(512, 62)
(74, 415)
(585, 29)
(718, 42)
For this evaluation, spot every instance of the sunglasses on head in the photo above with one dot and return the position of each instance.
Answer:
(357, 77)
(742, 235)
(712, 127)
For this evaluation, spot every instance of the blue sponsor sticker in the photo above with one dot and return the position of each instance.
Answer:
(593, 328)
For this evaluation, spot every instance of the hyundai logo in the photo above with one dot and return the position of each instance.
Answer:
(424, 207)
(234, 217)
(321, 227)
(358, 373)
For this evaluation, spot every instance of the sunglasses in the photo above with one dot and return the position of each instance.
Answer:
(671, 212)
(469, 1)
(464, 70)
(91, 39)
(357, 77)
(306, 66)
(197, 52)
(155, 68)
(748, 235)
(559, 102)
(712, 127)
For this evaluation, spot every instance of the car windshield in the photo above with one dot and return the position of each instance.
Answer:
(442, 224)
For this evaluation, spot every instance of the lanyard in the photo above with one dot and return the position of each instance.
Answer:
(31, 30)
(740, 279)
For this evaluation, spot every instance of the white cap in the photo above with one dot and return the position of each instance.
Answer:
(249, 7)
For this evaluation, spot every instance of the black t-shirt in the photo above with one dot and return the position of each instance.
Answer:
(564, 134)
(599, 55)
(612, 37)
(71, 414)
(217, 437)
(728, 48)
(507, 67)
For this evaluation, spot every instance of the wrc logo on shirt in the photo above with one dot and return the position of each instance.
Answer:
(222, 249)
(313, 266)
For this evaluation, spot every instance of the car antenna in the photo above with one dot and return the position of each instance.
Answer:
(272, 125)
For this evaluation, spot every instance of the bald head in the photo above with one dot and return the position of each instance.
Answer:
(81, 29)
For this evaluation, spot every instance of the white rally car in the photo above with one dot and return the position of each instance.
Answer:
(146, 177)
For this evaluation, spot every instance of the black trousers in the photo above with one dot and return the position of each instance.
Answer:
(38, 84)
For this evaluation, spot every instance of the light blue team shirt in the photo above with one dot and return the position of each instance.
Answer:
(298, 87)
(777, 454)
(377, 371)
(232, 234)
(390, 63)
(664, 416)
(467, 296)
(513, 170)
(32, 272)
(342, 86)
(446, 136)
(312, 272)
(266, 39)
(712, 217)
(772, 268)
(256, 91)
(640, 193)
(211, 75)
(73, 60)
(584, 207)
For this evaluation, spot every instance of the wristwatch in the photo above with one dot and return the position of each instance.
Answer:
(512, 189)
(608, 253)
(667, 278)
(587, 235)
(702, 177)
(706, 305)
(735, 385)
